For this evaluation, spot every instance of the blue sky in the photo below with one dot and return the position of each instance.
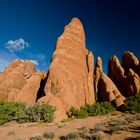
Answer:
(111, 27)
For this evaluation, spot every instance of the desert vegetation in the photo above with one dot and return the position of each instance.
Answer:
(91, 110)
(21, 113)
(132, 104)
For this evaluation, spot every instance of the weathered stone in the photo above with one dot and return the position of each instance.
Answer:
(107, 91)
(127, 82)
(115, 70)
(129, 60)
(91, 98)
(98, 73)
(28, 93)
(13, 95)
(60, 112)
(15, 76)
(68, 72)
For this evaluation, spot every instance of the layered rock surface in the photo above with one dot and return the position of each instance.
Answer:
(70, 77)
(71, 80)
(15, 76)
(127, 81)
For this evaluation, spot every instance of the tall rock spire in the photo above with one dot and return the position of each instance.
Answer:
(68, 73)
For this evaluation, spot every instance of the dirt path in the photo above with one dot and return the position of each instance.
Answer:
(15, 131)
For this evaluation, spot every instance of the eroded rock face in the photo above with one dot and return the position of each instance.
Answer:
(91, 78)
(60, 112)
(109, 92)
(98, 72)
(130, 84)
(68, 74)
(115, 70)
(15, 76)
(129, 60)
(28, 93)
(127, 81)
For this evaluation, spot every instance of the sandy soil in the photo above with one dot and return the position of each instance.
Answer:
(15, 131)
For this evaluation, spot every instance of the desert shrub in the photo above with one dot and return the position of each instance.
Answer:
(72, 135)
(77, 113)
(132, 103)
(11, 133)
(91, 110)
(100, 108)
(42, 112)
(10, 111)
(18, 111)
(49, 135)
(36, 137)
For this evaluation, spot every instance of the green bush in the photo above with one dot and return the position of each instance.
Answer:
(132, 104)
(18, 111)
(10, 111)
(77, 113)
(36, 137)
(49, 135)
(91, 110)
(42, 112)
(99, 108)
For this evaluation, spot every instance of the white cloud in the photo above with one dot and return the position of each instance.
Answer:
(16, 45)
(35, 62)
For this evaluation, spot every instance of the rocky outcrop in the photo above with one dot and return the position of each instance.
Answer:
(98, 72)
(60, 112)
(71, 80)
(107, 91)
(70, 74)
(127, 81)
(115, 70)
(14, 77)
(129, 60)
(28, 94)
(91, 78)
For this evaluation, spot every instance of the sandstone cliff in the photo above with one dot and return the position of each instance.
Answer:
(71, 80)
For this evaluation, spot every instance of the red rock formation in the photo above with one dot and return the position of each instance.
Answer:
(91, 78)
(15, 76)
(68, 73)
(129, 60)
(107, 91)
(127, 82)
(28, 94)
(98, 72)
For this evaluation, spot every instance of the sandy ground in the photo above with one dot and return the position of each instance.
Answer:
(15, 131)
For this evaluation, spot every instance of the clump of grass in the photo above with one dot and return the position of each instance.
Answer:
(72, 135)
(67, 120)
(11, 133)
(49, 135)
(96, 129)
(36, 137)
